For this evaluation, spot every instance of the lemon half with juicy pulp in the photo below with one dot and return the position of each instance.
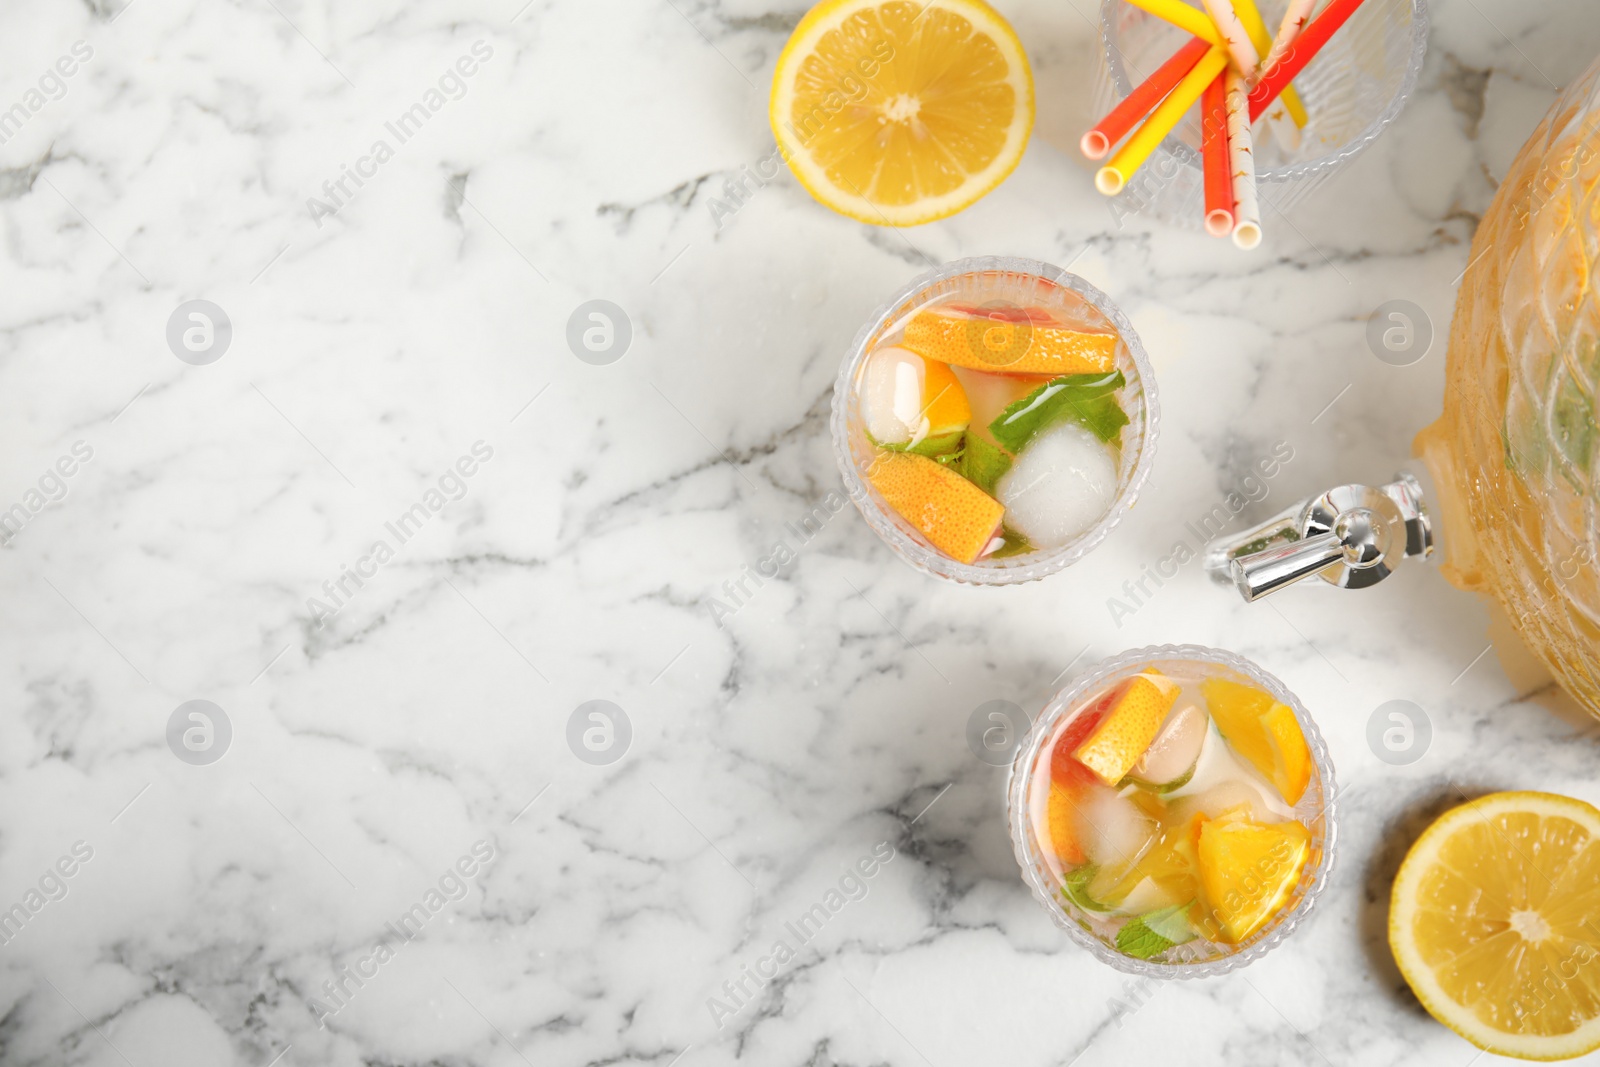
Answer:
(1495, 923)
(898, 113)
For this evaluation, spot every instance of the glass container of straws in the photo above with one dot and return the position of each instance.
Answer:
(1352, 90)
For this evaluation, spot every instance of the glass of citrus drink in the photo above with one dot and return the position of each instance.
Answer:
(1173, 810)
(994, 420)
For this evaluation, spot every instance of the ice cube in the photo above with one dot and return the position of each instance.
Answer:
(1061, 484)
(1222, 781)
(892, 396)
(1113, 829)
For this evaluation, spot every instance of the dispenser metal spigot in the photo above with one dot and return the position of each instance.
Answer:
(1351, 536)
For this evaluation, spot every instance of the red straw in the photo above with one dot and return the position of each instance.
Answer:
(1302, 51)
(1214, 153)
(1146, 95)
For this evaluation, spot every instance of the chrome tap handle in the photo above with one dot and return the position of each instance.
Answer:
(1351, 536)
(1271, 569)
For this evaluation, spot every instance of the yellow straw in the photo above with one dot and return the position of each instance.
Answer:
(1183, 16)
(1257, 29)
(1114, 175)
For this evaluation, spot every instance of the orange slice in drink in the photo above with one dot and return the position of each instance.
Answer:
(1009, 340)
(1070, 782)
(947, 409)
(956, 516)
(1495, 923)
(1248, 871)
(1118, 742)
(1063, 813)
(1263, 731)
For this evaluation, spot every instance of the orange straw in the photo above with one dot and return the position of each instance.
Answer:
(1214, 153)
(1112, 178)
(1302, 51)
(1111, 129)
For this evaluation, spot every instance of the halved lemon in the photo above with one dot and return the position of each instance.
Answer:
(1495, 923)
(899, 113)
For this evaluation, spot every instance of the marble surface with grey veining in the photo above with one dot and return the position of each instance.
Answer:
(398, 535)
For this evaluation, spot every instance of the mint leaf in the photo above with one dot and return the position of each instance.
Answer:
(1015, 545)
(1076, 889)
(984, 463)
(1171, 923)
(1136, 939)
(1153, 933)
(1572, 428)
(1089, 399)
(932, 447)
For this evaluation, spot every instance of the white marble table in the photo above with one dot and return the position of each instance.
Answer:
(397, 799)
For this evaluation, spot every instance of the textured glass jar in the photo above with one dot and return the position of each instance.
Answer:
(1516, 455)
(1317, 807)
(1352, 90)
(997, 280)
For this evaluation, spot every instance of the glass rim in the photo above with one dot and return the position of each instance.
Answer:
(1305, 168)
(1028, 856)
(1034, 565)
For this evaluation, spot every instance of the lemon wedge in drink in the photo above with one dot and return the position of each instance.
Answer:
(1248, 872)
(1264, 731)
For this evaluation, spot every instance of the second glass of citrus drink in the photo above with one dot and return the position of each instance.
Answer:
(1174, 811)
